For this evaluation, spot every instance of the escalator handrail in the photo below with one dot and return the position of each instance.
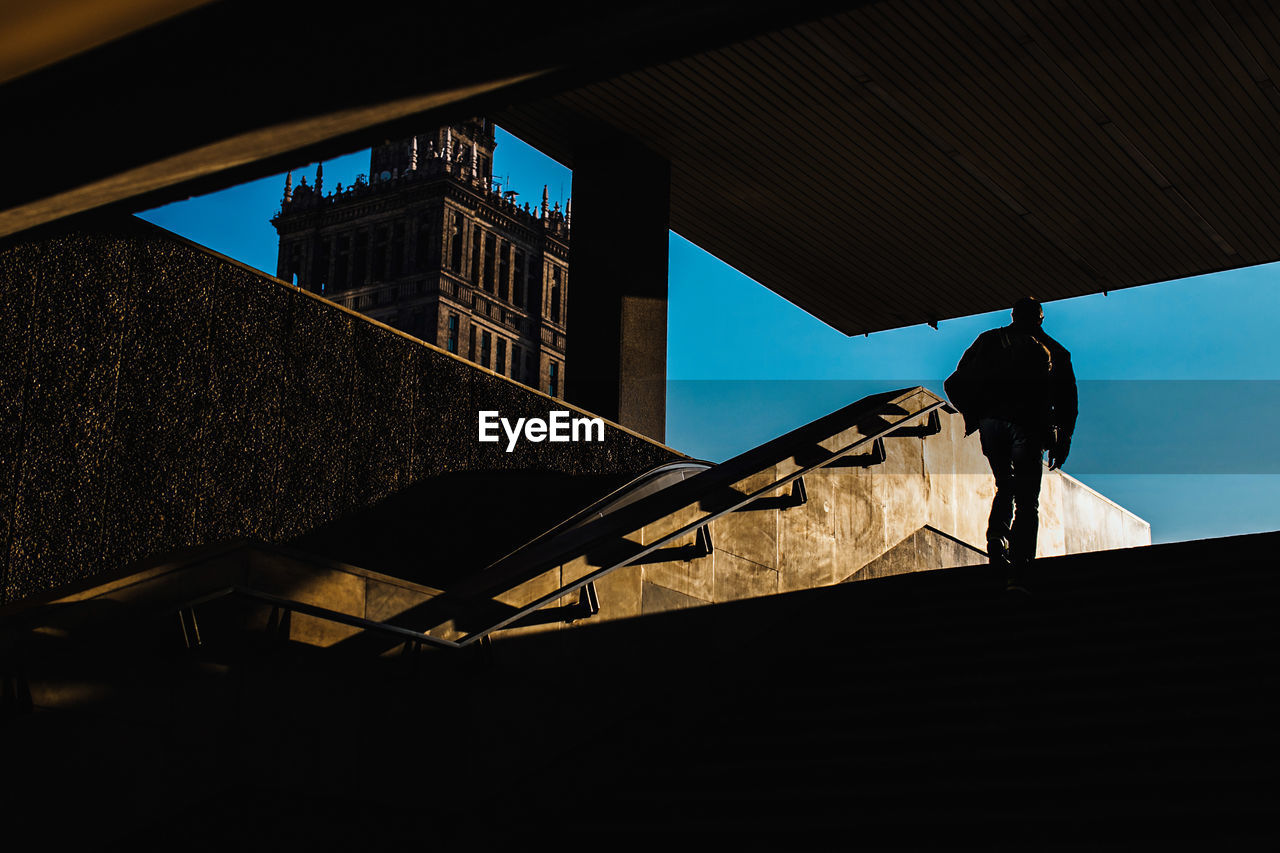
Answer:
(608, 503)
(407, 635)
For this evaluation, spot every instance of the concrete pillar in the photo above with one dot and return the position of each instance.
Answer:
(617, 312)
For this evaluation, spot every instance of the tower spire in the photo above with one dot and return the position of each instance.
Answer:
(544, 201)
(288, 188)
(319, 178)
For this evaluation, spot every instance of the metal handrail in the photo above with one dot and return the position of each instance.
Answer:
(580, 540)
(405, 634)
(615, 500)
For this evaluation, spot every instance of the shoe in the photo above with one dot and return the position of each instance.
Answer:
(998, 553)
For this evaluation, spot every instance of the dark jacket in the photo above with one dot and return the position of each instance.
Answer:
(1018, 374)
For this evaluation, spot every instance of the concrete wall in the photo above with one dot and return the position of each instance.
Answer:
(925, 507)
(155, 395)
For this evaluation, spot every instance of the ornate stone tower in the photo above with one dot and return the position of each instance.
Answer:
(427, 244)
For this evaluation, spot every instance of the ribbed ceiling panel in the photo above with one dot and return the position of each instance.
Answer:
(908, 162)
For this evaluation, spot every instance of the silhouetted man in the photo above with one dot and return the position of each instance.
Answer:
(1016, 387)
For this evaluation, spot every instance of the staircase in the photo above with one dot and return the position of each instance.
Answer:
(1126, 704)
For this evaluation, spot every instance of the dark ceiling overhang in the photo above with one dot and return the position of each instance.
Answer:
(238, 89)
(34, 35)
(892, 164)
(908, 162)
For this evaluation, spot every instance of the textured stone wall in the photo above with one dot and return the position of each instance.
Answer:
(155, 395)
(925, 507)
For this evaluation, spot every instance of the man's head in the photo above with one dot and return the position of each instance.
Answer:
(1027, 312)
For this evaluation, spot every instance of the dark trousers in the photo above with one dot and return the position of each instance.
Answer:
(1016, 457)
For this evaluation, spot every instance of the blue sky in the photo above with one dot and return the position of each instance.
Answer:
(1179, 382)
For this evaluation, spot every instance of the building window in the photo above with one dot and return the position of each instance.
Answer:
(504, 269)
(553, 379)
(396, 262)
(361, 273)
(342, 266)
(381, 237)
(501, 364)
(515, 361)
(490, 250)
(471, 352)
(294, 266)
(451, 342)
(555, 295)
(455, 248)
(530, 369)
(485, 342)
(535, 285)
(517, 286)
(421, 245)
(475, 254)
(320, 272)
(434, 237)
